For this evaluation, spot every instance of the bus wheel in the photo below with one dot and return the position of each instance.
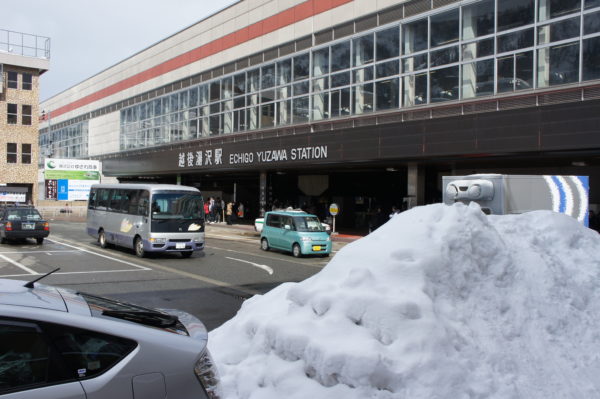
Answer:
(186, 254)
(296, 251)
(102, 239)
(139, 247)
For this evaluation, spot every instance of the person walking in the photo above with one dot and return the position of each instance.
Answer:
(229, 212)
(207, 210)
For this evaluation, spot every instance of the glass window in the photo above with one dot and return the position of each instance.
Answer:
(341, 79)
(363, 50)
(444, 56)
(301, 66)
(482, 48)
(26, 153)
(591, 23)
(592, 3)
(284, 72)
(320, 106)
(414, 36)
(363, 75)
(253, 81)
(558, 31)
(515, 72)
(549, 9)
(252, 118)
(516, 40)
(389, 68)
(320, 84)
(268, 76)
(13, 80)
(193, 94)
(284, 92)
(443, 84)
(416, 63)
(321, 62)
(515, 13)
(11, 152)
(340, 56)
(239, 84)
(363, 98)
(340, 102)
(284, 112)
(300, 110)
(301, 88)
(215, 91)
(388, 96)
(558, 65)
(444, 28)
(415, 89)
(11, 110)
(27, 81)
(387, 43)
(591, 59)
(226, 89)
(478, 19)
(26, 114)
(267, 96)
(214, 125)
(478, 79)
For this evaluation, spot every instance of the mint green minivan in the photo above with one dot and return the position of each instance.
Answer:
(298, 232)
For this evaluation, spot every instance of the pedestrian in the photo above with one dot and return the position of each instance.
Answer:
(206, 211)
(240, 211)
(217, 209)
(211, 208)
(229, 212)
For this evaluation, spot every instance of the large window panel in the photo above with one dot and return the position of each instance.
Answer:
(362, 50)
(340, 102)
(385, 69)
(340, 56)
(478, 19)
(416, 63)
(12, 81)
(300, 110)
(301, 88)
(592, 3)
(558, 65)
(26, 115)
(363, 98)
(253, 81)
(301, 66)
(591, 23)
(415, 90)
(340, 79)
(515, 40)
(474, 50)
(562, 30)
(515, 72)
(267, 115)
(515, 13)
(549, 9)
(284, 72)
(478, 79)
(239, 84)
(226, 89)
(444, 56)
(284, 112)
(362, 75)
(414, 36)
(27, 81)
(443, 84)
(387, 43)
(215, 91)
(387, 94)
(11, 114)
(321, 62)
(267, 76)
(320, 84)
(591, 59)
(320, 106)
(444, 28)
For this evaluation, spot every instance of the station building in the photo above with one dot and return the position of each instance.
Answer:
(365, 103)
(23, 58)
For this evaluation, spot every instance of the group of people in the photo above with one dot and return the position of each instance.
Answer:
(217, 211)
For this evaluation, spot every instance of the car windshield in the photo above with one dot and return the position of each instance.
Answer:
(308, 223)
(23, 214)
(177, 205)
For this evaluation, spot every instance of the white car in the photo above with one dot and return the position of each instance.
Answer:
(58, 343)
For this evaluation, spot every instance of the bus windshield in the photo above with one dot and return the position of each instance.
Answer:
(177, 205)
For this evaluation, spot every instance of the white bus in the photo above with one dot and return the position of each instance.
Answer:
(147, 217)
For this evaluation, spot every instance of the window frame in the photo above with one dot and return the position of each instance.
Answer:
(25, 154)
(26, 117)
(12, 117)
(12, 156)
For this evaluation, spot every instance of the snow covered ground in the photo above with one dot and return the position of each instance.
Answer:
(440, 302)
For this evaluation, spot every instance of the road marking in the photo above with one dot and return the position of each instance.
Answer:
(17, 264)
(101, 255)
(85, 272)
(264, 267)
(319, 265)
(37, 252)
(231, 238)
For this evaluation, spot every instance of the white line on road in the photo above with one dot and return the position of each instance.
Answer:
(86, 272)
(17, 264)
(102, 256)
(37, 252)
(264, 267)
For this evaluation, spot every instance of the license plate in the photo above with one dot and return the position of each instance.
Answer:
(316, 247)
(180, 245)
(28, 226)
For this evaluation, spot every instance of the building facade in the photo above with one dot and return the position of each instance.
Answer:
(359, 102)
(23, 58)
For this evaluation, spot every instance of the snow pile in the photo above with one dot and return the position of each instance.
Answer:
(441, 302)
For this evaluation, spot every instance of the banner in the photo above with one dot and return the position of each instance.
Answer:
(70, 179)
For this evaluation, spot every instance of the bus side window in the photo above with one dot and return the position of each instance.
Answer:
(143, 204)
(92, 200)
(116, 201)
(103, 196)
(132, 201)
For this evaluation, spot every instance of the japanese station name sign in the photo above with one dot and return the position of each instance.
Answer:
(216, 156)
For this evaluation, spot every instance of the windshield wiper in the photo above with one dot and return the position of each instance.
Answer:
(154, 319)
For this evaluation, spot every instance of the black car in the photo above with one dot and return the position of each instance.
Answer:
(22, 222)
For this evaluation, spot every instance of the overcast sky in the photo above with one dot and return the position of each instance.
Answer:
(88, 36)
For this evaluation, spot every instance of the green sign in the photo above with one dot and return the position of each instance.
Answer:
(71, 174)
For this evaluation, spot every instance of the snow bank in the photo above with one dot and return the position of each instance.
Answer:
(440, 302)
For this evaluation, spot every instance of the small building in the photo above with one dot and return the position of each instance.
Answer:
(23, 58)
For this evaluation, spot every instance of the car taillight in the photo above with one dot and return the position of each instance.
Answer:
(207, 374)
(8, 226)
(46, 226)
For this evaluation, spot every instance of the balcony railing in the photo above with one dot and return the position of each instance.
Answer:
(24, 44)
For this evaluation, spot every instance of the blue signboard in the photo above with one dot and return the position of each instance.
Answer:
(63, 190)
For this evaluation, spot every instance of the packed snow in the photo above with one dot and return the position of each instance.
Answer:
(442, 302)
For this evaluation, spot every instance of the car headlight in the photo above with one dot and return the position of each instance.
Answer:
(207, 374)
(198, 239)
(306, 239)
(155, 240)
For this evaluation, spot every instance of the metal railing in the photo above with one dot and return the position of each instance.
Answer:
(24, 44)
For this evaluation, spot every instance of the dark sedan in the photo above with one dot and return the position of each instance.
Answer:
(21, 223)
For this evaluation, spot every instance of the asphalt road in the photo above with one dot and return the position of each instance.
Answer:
(211, 285)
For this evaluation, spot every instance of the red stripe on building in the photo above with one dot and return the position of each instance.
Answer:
(285, 18)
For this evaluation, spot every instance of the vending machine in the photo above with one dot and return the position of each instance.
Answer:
(510, 194)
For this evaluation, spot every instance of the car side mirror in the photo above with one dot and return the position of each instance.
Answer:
(287, 227)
